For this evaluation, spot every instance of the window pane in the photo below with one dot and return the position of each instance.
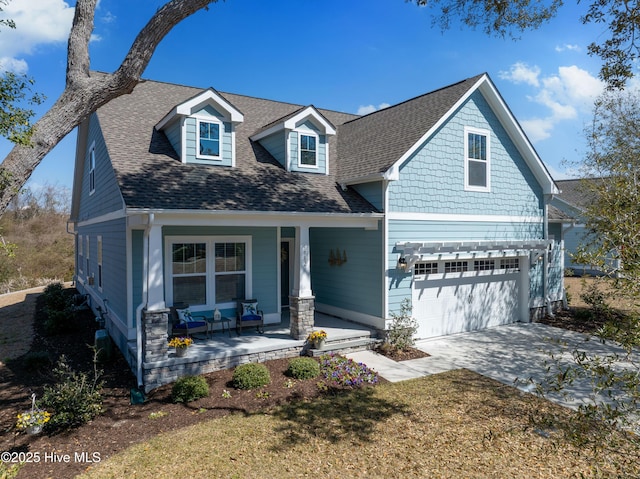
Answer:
(229, 287)
(190, 289)
(230, 257)
(189, 258)
(308, 158)
(477, 146)
(209, 139)
(477, 173)
(307, 150)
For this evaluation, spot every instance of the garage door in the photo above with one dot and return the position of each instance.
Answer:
(456, 296)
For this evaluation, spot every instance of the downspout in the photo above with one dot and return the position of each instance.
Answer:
(145, 293)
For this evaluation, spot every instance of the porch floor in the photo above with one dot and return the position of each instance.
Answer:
(275, 337)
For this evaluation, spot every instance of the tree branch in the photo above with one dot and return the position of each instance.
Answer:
(79, 37)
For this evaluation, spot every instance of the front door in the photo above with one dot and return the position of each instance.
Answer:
(285, 272)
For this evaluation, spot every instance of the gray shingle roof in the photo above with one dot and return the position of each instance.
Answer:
(151, 175)
(557, 215)
(373, 143)
(575, 192)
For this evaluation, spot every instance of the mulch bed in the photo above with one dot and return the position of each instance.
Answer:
(122, 424)
(402, 355)
(575, 319)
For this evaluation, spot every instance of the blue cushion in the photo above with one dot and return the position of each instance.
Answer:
(190, 324)
(251, 317)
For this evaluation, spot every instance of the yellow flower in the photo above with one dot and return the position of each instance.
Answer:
(182, 342)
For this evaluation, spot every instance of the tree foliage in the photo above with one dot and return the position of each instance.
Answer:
(15, 94)
(618, 48)
(613, 211)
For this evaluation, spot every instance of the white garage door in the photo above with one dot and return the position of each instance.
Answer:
(456, 296)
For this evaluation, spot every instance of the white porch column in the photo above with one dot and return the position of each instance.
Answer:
(301, 303)
(302, 266)
(155, 278)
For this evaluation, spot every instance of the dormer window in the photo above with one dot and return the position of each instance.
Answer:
(308, 150)
(208, 140)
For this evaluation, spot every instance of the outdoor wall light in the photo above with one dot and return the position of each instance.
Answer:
(402, 264)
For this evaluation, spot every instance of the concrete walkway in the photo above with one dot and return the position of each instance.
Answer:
(505, 353)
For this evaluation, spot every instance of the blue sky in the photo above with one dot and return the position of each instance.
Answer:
(352, 56)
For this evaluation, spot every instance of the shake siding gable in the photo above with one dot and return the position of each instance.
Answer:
(107, 197)
(276, 145)
(432, 180)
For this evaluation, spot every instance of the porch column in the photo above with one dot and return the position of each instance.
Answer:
(301, 303)
(155, 278)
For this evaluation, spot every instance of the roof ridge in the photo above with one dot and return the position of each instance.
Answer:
(437, 90)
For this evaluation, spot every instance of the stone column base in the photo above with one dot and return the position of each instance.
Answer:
(302, 316)
(155, 325)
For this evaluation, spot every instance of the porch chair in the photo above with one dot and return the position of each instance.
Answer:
(248, 315)
(184, 323)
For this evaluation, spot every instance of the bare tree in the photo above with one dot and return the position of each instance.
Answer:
(84, 93)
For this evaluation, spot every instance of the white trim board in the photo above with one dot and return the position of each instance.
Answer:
(411, 216)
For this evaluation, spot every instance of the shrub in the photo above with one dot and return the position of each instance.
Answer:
(595, 298)
(58, 308)
(189, 388)
(250, 376)
(75, 399)
(55, 297)
(36, 360)
(403, 327)
(303, 368)
(346, 372)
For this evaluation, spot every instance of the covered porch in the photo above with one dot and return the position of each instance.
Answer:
(223, 350)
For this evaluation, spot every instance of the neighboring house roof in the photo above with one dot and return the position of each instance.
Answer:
(151, 175)
(575, 192)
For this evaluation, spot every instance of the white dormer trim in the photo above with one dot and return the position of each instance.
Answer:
(292, 123)
(191, 106)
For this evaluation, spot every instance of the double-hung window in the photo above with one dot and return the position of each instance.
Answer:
(308, 150)
(92, 169)
(99, 258)
(208, 139)
(209, 271)
(477, 160)
(80, 254)
(189, 273)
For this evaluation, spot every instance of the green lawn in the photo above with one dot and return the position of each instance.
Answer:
(457, 424)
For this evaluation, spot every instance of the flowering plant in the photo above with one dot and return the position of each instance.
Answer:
(181, 342)
(317, 336)
(35, 417)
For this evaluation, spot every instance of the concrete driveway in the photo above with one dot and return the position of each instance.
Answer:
(505, 353)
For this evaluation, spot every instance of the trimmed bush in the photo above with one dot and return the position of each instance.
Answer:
(303, 368)
(189, 388)
(250, 376)
(74, 400)
(36, 360)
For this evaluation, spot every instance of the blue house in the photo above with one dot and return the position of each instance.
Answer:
(184, 195)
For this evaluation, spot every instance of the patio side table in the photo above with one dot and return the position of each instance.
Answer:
(223, 321)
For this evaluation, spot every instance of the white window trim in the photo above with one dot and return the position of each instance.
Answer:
(92, 168)
(80, 255)
(467, 186)
(209, 119)
(210, 241)
(87, 256)
(99, 259)
(308, 133)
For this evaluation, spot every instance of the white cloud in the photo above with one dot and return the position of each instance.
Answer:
(522, 73)
(566, 94)
(569, 47)
(14, 65)
(365, 110)
(38, 22)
